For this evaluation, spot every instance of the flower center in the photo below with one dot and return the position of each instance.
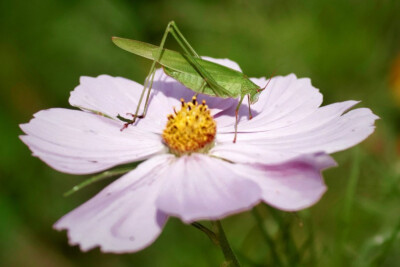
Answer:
(192, 129)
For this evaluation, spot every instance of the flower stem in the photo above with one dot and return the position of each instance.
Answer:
(286, 238)
(268, 239)
(230, 258)
(349, 201)
(99, 177)
(213, 237)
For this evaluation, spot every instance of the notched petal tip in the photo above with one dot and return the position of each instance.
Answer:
(122, 218)
(120, 247)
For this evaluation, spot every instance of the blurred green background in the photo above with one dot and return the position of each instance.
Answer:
(348, 48)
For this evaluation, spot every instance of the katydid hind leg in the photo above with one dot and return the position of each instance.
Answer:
(190, 55)
(148, 84)
(181, 40)
(173, 29)
(150, 76)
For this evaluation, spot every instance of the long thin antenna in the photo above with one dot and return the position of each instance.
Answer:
(273, 74)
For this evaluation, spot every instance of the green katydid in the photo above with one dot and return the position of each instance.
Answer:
(201, 76)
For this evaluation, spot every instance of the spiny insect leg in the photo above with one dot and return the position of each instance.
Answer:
(150, 77)
(128, 121)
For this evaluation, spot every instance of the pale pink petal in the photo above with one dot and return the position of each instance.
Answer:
(115, 95)
(78, 142)
(293, 185)
(123, 217)
(250, 153)
(327, 130)
(199, 187)
(224, 62)
(286, 99)
(106, 94)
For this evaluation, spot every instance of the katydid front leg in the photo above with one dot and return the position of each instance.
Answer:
(237, 115)
(248, 101)
(173, 29)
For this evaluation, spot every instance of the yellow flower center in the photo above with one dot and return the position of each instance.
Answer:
(192, 129)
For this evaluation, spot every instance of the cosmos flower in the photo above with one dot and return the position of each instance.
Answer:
(191, 169)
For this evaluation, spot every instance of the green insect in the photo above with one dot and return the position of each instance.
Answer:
(200, 76)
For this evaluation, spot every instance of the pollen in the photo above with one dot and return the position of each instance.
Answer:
(191, 129)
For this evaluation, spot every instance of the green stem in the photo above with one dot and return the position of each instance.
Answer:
(230, 258)
(349, 199)
(213, 237)
(309, 244)
(268, 239)
(99, 177)
(291, 252)
(388, 244)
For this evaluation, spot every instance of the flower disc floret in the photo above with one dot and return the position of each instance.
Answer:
(192, 129)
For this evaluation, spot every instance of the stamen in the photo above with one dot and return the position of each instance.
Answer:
(192, 129)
